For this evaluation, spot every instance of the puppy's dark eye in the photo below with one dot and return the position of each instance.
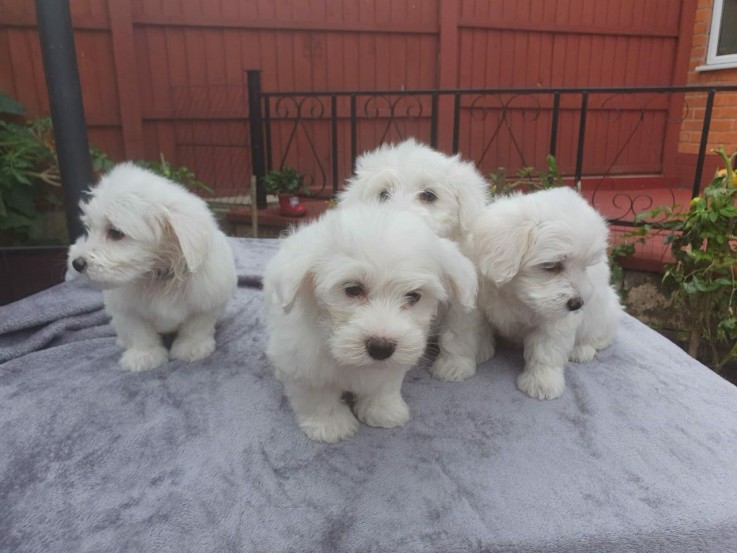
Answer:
(383, 195)
(427, 196)
(552, 267)
(413, 297)
(115, 234)
(354, 290)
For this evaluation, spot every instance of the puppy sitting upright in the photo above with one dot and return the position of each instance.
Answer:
(449, 194)
(156, 251)
(350, 300)
(546, 282)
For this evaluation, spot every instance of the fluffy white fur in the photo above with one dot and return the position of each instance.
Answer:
(156, 251)
(449, 194)
(350, 301)
(540, 256)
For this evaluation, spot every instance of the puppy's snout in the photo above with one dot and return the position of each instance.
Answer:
(79, 264)
(574, 304)
(380, 348)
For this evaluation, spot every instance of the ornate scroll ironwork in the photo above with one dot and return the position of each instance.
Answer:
(390, 108)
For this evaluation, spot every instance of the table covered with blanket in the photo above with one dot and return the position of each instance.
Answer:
(639, 454)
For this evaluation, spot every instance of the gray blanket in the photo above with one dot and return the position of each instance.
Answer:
(638, 454)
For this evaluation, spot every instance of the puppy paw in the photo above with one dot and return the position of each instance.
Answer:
(332, 428)
(583, 353)
(136, 360)
(546, 384)
(192, 349)
(453, 369)
(486, 351)
(384, 411)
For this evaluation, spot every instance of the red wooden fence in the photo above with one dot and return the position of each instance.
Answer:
(167, 76)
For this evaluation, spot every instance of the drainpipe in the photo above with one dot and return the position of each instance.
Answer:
(67, 112)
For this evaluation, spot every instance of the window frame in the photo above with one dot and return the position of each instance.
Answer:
(713, 61)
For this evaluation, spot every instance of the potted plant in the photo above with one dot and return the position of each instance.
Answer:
(285, 184)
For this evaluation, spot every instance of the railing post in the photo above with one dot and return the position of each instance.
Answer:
(581, 136)
(434, 120)
(255, 123)
(334, 140)
(554, 124)
(267, 136)
(704, 141)
(353, 133)
(456, 120)
(67, 111)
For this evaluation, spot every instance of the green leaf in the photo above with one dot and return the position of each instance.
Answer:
(20, 200)
(16, 221)
(10, 106)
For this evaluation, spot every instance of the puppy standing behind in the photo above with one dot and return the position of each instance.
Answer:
(156, 251)
(545, 282)
(449, 194)
(350, 300)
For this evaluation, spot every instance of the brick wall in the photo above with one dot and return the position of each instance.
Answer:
(723, 130)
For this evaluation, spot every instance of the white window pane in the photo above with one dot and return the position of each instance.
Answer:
(728, 29)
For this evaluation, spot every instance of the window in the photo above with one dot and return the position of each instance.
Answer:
(722, 51)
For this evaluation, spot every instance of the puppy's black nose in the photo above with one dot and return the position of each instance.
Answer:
(574, 304)
(380, 348)
(79, 264)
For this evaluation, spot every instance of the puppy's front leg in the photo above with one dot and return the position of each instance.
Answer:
(320, 412)
(546, 354)
(486, 347)
(383, 406)
(143, 347)
(196, 338)
(458, 343)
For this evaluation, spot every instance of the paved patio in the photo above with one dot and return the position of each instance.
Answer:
(613, 204)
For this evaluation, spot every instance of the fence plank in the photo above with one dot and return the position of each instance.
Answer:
(126, 73)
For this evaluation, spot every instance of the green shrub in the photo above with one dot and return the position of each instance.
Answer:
(29, 172)
(702, 279)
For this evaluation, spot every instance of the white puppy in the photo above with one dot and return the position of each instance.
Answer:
(156, 251)
(350, 301)
(545, 282)
(450, 194)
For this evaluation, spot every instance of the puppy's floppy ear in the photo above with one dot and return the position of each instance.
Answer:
(288, 284)
(501, 238)
(193, 234)
(291, 269)
(459, 274)
(472, 192)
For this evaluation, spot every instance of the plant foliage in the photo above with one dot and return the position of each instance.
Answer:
(29, 171)
(527, 179)
(183, 175)
(286, 181)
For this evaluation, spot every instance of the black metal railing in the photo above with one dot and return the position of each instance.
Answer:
(599, 135)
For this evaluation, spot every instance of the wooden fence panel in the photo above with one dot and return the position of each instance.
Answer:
(573, 43)
(167, 77)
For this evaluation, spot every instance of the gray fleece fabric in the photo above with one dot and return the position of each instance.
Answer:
(639, 454)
